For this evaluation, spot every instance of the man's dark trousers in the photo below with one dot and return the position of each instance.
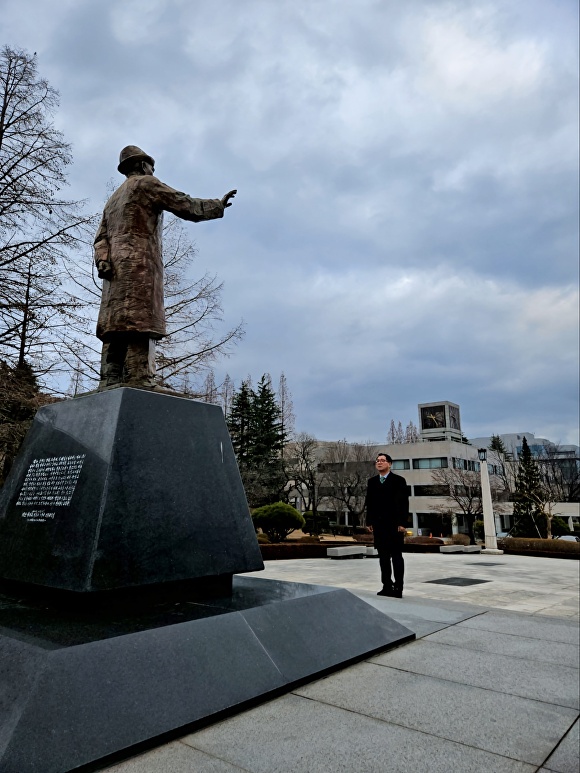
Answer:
(391, 551)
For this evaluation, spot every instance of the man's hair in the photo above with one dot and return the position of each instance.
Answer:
(387, 457)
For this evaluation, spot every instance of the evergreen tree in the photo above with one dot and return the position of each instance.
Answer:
(268, 438)
(20, 398)
(527, 518)
(239, 422)
(496, 444)
(392, 433)
(258, 437)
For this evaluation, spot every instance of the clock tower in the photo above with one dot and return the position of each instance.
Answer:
(440, 421)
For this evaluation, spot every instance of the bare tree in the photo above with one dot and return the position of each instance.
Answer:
(462, 490)
(210, 391)
(560, 472)
(193, 314)
(543, 481)
(412, 433)
(226, 394)
(346, 469)
(396, 434)
(301, 470)
(286, 406)
(38, 228)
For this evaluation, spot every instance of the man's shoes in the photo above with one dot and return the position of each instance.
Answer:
(398, 594)
(386, 592)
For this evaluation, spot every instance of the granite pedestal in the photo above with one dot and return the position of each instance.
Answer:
(121, 525)
(122, 489)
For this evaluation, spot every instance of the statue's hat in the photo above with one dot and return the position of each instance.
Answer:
(131, 153)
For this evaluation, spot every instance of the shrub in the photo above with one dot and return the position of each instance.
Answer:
(316, 524)
(277, 520)
(539, 545)
(263, 539)
(460, 539)
(479, 530)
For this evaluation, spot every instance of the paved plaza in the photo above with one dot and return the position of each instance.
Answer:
(491, 683)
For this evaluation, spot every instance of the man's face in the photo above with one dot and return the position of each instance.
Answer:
(382, 465)
(147, 168)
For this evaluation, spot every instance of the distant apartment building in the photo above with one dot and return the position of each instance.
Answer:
(539, 446)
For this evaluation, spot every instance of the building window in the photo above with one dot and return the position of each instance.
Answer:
(465, 464)
(431, 491)
(401, 464)
(430, 464)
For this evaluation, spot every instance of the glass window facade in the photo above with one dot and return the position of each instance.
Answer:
(431, 491)
(401, 464)
(430, 464)
(465, 464)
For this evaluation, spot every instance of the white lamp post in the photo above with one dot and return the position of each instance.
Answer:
(488, 519)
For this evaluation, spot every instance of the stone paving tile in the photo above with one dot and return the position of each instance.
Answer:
(557, 612)
(507, 725)
(297, 735)
(175, 757)
(524, 625)
(566, 758)
(544, 682)
(508, 644)
(521, 583)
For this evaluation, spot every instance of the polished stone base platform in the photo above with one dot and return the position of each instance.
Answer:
(85, 686)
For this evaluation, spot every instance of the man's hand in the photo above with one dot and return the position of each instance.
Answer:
(227, 197)
(402, 529)
(104, 269)
(371, 528)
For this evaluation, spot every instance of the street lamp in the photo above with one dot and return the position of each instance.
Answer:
(488, 519)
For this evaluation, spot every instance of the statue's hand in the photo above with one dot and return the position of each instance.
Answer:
(104, 269)
(227, 197)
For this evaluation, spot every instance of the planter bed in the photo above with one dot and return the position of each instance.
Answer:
(282, 550)
(411, 548)
(541, 553)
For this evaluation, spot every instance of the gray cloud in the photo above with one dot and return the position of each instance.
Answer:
(406, 226)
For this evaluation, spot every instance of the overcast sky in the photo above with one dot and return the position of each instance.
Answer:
(406, 226)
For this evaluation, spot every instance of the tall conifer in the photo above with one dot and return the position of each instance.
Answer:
(528, 521)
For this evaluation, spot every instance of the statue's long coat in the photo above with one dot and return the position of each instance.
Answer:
(129, 237)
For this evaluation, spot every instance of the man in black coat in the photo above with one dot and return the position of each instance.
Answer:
(387, 506)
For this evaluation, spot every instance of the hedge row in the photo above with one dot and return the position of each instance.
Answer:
(541, 548)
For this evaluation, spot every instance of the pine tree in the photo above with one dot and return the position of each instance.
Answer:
(20, 398)
(268, 438)
(256, 428)
(496, 444)
(528, 519)
(239, 422)
(392, 433)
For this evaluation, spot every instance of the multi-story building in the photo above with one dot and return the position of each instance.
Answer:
(442, 446)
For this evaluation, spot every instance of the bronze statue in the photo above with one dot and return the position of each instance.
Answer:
(129, 260)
